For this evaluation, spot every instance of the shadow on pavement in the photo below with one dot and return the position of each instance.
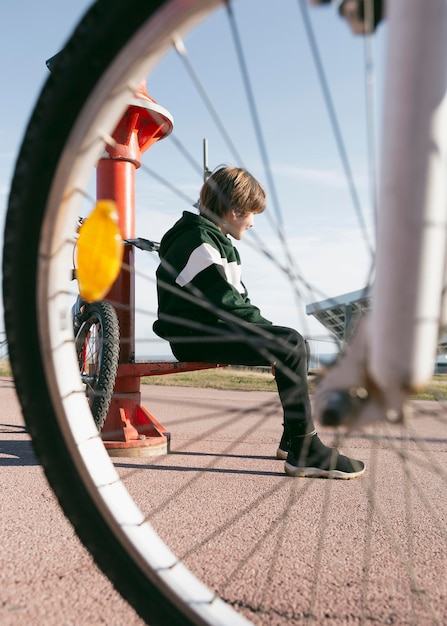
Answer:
(18, 453)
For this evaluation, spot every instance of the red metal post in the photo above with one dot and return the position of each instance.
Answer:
(129, 428)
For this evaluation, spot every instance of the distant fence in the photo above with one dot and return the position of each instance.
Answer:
(4, 352)
(322, 351)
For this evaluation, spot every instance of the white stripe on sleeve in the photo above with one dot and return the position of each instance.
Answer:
(204, 256)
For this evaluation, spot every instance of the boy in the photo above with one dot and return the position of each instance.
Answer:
(205, 314)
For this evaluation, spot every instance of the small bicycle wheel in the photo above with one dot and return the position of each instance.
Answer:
(97, 347)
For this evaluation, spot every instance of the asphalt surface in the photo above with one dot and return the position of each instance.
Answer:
(286, 551)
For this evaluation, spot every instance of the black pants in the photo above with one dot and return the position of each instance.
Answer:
(258, 344)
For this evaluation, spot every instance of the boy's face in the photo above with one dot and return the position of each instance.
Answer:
(236, 226)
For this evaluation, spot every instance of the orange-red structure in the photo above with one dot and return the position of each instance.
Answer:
(130, 428)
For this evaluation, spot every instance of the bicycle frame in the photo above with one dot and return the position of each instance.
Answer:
(79, 305)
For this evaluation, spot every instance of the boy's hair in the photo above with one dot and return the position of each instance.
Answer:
(231, 188)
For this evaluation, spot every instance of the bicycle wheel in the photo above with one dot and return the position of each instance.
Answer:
(110, 42)
(246, 551)
(97, 347)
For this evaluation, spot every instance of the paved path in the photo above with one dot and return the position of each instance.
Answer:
(46, 575)
(222, 473)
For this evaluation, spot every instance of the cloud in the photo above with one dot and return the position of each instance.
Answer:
(327, 177)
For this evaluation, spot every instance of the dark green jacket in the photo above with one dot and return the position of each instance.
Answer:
(199, 279)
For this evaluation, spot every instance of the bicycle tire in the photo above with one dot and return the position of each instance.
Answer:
(161, 592)
(100, 359)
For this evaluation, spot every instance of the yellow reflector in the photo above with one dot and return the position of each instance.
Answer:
(99, 251)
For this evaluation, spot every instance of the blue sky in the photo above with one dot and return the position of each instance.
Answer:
(320, 222)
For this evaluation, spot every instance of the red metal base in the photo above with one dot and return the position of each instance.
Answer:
(130, 429)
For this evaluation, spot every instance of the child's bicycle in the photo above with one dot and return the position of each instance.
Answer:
(97, 340)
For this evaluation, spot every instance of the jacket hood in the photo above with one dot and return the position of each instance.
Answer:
(188, 221)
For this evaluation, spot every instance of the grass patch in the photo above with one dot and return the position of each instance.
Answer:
(436, 390)
(5, 368)
(243, 379)
(248, 379)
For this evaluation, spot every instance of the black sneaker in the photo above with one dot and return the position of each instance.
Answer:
(310, 457)
(284, 446)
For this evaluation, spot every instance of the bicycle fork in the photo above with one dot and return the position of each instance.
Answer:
(393, 353)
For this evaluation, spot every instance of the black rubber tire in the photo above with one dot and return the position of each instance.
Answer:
(99, 37)
(100, 383)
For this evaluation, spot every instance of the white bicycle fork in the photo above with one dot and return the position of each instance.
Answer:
(393, 352)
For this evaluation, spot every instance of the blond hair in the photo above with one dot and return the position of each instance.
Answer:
(231, 188)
